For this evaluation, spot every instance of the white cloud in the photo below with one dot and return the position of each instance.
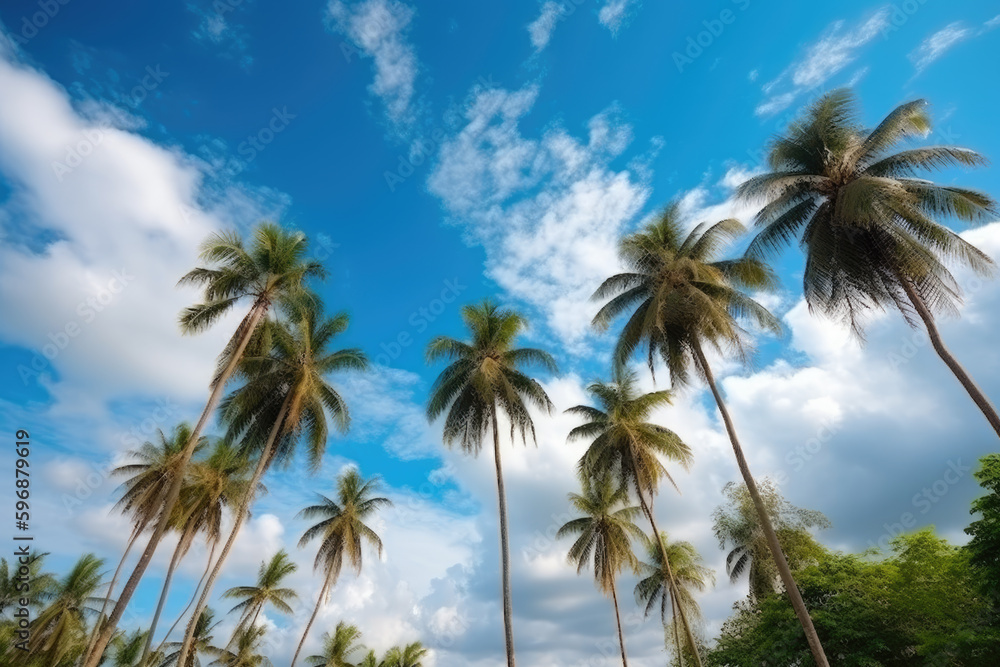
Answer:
(540, 30)
(378, 29)
(213, 28)
(615, 13)
(937, 44)
(837, 48)
(548, 211)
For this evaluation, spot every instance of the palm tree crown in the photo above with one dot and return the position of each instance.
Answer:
(866, 222)
(338, 647)
(267, 590)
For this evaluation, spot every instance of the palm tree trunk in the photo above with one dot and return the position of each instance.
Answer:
(977, 395)
(136, 532)
(674, 604)
(182, 544)
(648, 509)
(194, 596)
(312, 619)
(772, 538)
(239, 517)
(618, 619)
(508, 628)
(254, 317)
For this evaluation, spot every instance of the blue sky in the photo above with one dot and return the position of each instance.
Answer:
(436, 155)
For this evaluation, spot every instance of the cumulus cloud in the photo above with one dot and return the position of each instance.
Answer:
(378, 28)
(548, 210)
(540, 30)
(615, 13)
(837, 48)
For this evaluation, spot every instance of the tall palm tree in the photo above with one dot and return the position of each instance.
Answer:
(484, 379)
(341, 530)
(626, 447)
(605, 532)
(683, 566)
(246, 642)
(286, 398)
(682, 298)
(149, 474)
(201, 643)
(212, 485)
(59, 632)
(737, 525)
(127, 649)
(870, 228)
(275, 266)
(338, 647)
(411, 655)
(267, 590)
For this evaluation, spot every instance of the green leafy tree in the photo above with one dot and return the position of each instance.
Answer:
(626, 447)
(869, 226)
(286, 399)
(274, 267)
(59, 632)
(342, 530)
(684, 567)
(604, 537)
(738, 529)
(984, 547)
(683, 298)
(484, 379)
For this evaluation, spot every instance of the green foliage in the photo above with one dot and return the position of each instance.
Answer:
(984, 547)
(919, 605)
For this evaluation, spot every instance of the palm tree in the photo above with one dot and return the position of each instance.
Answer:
(341, 531)
(149, 475)
(268, 590)
(485, 377)
(370, 660)
(411, 655)
(201, 643)
(683, 566)
(338, 647)
(605, 534)
(274, 267)
(291, 375)
(59, 632)
(682, 298)
(127, 649)
(737, 525)
(246, 640)
(869, 227)
(626, 447)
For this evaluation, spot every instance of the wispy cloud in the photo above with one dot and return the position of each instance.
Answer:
(615, 13)
(938, 44)
(378, 28)
(837, 48)
(230, 38)
(540, 30)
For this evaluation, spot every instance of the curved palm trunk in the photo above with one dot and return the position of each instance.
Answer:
(111, 587)
(508, 628)
(674, 604)
(182, 545)
(194, 596)
(772, 538)
(648, 509)
(312, 619)
(618, 619)
(240, 517)
(254, 317)
(977, 395)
